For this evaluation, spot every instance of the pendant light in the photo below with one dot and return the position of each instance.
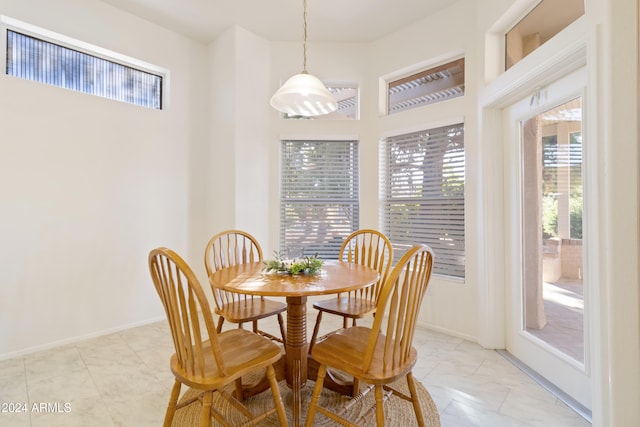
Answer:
(304, 94)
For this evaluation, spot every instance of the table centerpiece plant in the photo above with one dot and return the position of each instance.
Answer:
(304, 265)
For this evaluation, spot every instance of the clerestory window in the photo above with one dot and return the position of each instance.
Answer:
(32, 58)
(426, 87)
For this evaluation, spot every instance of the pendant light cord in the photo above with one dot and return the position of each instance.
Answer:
(304, 38)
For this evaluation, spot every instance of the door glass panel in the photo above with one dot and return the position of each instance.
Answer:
(552, 228)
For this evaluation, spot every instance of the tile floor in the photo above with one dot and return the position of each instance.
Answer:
(123, 379)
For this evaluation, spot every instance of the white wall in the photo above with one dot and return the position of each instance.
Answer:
(90, 185)
(450, 306)
(331, 62)
(617, 301)
(236, 163)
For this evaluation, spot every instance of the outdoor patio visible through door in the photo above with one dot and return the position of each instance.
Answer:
(547, 325)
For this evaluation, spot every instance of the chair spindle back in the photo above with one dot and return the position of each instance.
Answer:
(398, 308)
(370, 248)
(187, 310)
(226, 249)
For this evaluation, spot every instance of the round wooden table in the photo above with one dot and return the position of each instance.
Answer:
(334, 277)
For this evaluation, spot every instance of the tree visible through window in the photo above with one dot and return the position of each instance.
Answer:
(422, 193)
(558, 158)
(319, 204)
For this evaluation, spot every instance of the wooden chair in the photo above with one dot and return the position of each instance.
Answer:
(205, 360)
(229, 248)
(367, 247)
(383, 353)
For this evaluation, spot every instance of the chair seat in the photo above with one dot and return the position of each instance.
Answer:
(242, 351)
(345, 349)
(372, 357)
(351, 307)
(250, 309)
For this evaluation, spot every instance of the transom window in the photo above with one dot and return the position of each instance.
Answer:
(347, 97)
(319, 203)
(38, 60)
(426, 87)
(422, 194)
(544, 21)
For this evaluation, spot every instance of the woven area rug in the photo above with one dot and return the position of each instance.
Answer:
(398, 412)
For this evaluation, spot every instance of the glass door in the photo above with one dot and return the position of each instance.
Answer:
(546, 298)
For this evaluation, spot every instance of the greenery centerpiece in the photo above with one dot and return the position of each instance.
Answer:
(304, 265)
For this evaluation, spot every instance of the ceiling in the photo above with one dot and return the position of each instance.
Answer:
(281, 20)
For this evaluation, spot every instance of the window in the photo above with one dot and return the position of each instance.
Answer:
(552, 244)
(422, 194)
(45, 62)
(546, 20)
(426, 87)
(557, 159)
(346, 95)
(319, 203)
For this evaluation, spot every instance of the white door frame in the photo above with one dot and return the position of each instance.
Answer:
(608, 36)
(571, 376)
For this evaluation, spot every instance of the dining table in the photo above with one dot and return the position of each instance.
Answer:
(254, 279)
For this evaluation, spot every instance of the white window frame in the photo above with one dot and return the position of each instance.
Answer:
(417, 85)
(10, 24)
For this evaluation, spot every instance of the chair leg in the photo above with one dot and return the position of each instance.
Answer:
(173, 400)
(316, 395)
(282, 332)
(345, 323)
(205, 416)
(379, 407)
(220, 322)
(414, 400)
(356, 387)
(275, 391)
(239, 390)
(316, 329)
(255, 326)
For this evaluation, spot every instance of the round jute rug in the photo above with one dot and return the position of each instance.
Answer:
(398, 412)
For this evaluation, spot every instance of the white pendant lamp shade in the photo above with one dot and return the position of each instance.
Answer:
(304, 95)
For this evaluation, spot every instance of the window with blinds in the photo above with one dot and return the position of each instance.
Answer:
(319, 203)
(38, 60)
(422, 194)
(426, 87)
(346, 95)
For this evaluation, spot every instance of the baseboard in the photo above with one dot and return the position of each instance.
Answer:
(76, 339)
(446, 331)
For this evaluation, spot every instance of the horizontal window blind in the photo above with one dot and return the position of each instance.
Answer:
(41, 61)
(422, 193)
(319, 195)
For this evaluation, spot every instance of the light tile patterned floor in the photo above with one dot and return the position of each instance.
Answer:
(123, 379)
